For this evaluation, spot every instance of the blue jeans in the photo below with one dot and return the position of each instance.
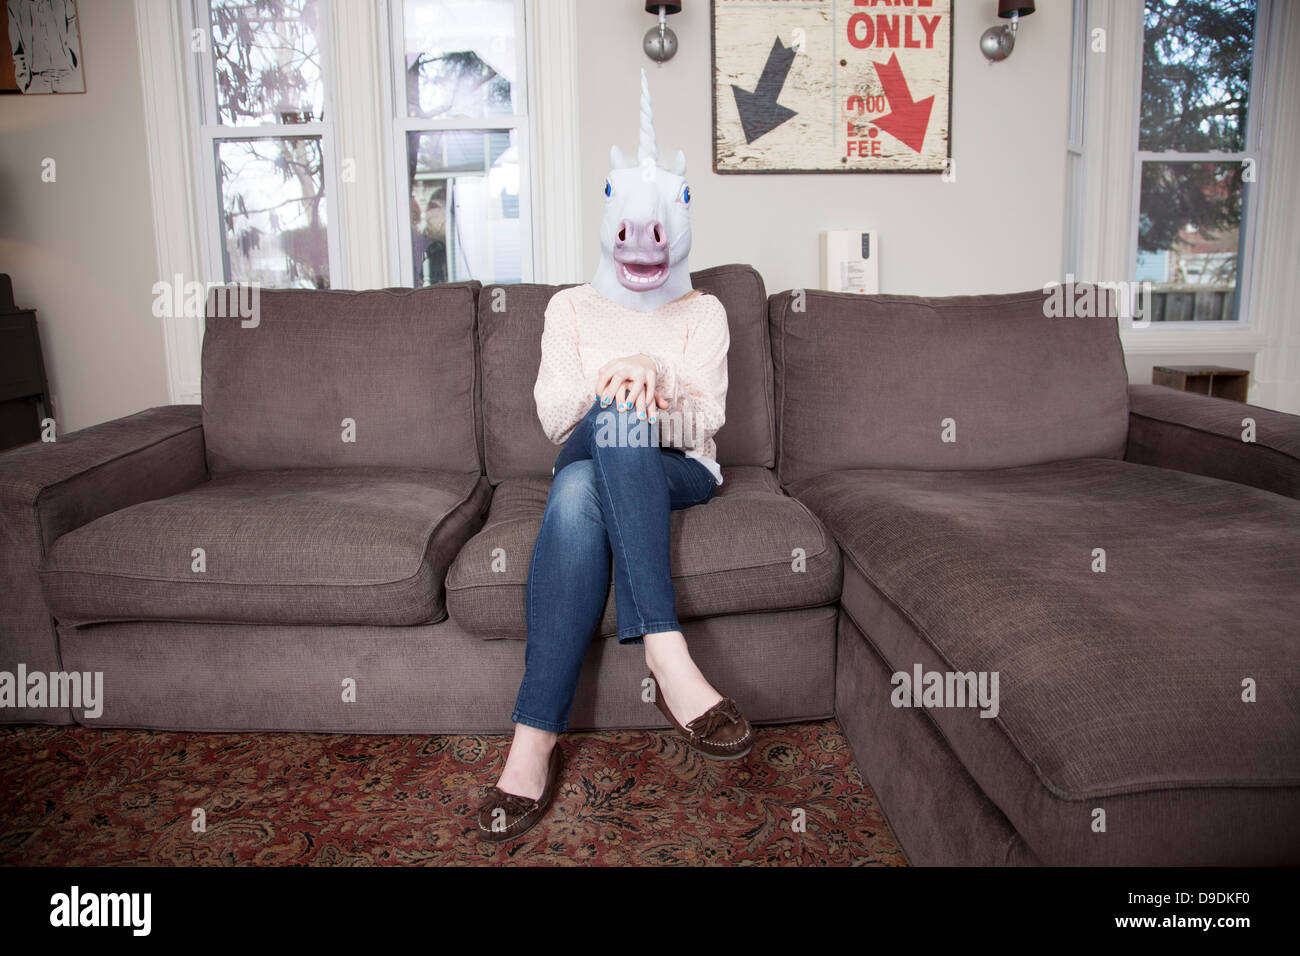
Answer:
(610, 500)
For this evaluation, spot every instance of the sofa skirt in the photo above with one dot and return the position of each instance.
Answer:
(779, 667)
(938, 813)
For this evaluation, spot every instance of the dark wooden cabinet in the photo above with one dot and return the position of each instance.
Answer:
(24, 394)
(1213, 380)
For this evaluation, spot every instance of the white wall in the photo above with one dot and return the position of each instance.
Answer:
(998, 228)
(80, 250)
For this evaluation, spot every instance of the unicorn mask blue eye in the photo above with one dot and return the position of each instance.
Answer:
(645, 234)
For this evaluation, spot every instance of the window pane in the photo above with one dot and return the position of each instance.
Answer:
(1189, 237)
(266, 59)
(272, 194)
(460, 58)
(465, 206)
(1196, 65)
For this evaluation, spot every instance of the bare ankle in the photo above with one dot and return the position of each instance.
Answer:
(525, 770)
(533, 739)
(665, 648)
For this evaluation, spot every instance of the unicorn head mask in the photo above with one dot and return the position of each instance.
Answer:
(645, 234)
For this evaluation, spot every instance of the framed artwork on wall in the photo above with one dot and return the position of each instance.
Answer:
(40, 51)
(831, 86)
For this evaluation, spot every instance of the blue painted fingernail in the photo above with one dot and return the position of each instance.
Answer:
(652, 418)
(640, 414)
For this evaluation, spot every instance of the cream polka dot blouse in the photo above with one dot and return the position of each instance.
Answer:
(687, 338)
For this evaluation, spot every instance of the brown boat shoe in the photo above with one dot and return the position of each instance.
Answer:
(721, 732)
(504, 816)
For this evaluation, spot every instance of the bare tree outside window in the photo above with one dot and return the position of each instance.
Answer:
(1198, 57)
(266, 70)
(266, 61)
(273, 211)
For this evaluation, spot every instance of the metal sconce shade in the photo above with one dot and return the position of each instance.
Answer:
(660, 43)
(996, 43)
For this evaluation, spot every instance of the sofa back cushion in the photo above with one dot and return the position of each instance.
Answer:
(510, 321)
(398, 363)
(964, 382)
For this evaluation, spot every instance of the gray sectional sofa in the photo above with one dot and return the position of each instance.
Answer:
(338, 540)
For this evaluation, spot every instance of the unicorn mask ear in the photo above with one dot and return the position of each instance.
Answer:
(617, 160)
(679, 163)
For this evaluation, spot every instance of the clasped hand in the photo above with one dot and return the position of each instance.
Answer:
(631, 383)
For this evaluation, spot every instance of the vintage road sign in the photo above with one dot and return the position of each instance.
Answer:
(845, 86)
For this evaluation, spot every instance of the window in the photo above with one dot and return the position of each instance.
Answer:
(305, 143)
(274, 124)
(1196, 158)
(460, 127)
(264, 140)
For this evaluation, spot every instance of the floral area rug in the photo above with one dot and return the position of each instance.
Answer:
(77, 796)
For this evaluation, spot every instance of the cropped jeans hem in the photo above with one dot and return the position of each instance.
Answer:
(635, 634)
(536, 723)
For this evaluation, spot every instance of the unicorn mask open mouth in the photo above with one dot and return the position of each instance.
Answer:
(642, 275)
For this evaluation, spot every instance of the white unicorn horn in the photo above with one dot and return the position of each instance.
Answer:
(646, 147)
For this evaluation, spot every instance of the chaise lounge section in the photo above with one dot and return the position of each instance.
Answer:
(1123, 605)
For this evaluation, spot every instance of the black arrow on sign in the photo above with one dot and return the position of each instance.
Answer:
(759, 111)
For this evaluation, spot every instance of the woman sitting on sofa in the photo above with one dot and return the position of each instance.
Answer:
(638, 338)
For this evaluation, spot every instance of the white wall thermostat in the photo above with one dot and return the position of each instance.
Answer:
(850, 261)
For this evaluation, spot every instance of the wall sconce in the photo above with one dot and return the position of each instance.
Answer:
(661, 43)
(996, 43)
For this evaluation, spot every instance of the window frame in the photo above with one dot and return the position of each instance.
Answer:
(1254, 150)
(196, 15)
(401, 125)
(1076, 139)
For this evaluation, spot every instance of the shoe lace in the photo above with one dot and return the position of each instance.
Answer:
(705, 725)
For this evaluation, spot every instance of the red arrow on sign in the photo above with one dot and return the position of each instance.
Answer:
(909, 118)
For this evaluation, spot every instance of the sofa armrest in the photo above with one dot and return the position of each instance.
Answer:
(1203, 435)
(48, 489)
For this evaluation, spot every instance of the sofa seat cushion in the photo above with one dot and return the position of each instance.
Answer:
(311, 546)
(735, 554)
(1112, 685)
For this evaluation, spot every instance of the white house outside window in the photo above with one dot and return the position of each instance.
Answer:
(460, 137)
